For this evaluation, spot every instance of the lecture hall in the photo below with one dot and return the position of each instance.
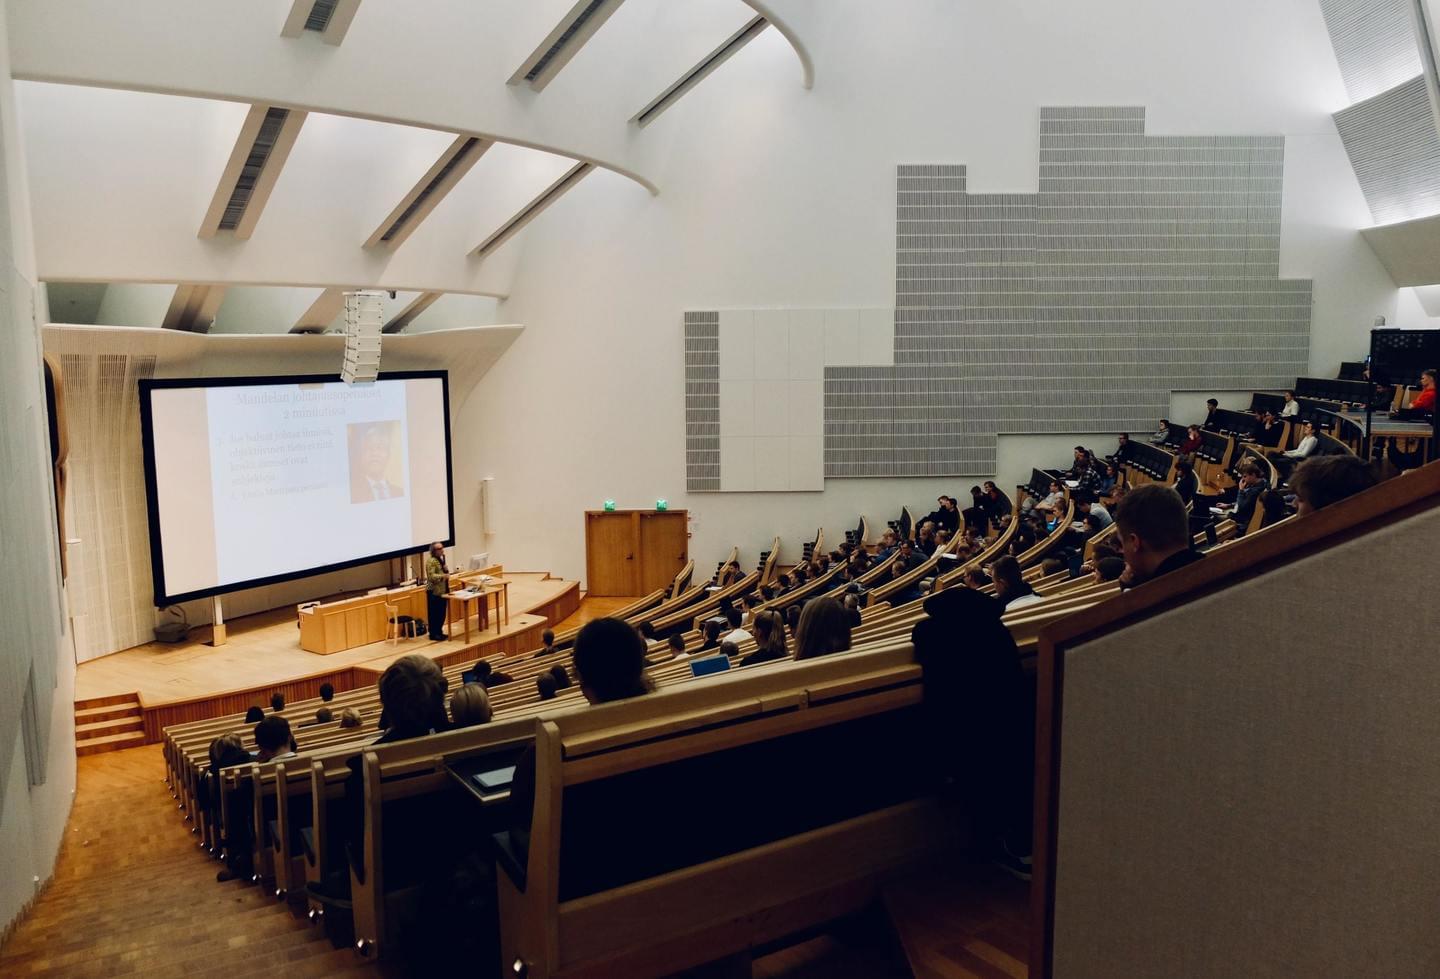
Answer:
(719, 489)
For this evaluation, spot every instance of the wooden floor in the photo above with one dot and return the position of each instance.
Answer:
(265, 649)
(134, 895)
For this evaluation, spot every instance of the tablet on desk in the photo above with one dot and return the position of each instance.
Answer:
(495, 780)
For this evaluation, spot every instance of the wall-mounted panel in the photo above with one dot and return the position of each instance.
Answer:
(1143, 265)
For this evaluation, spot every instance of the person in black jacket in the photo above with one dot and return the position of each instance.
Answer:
(1154, 534)
(979, 710)
(944, 517)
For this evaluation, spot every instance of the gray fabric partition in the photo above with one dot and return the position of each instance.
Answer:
(1249, 783)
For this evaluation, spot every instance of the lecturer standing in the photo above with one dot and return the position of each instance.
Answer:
(437, 585)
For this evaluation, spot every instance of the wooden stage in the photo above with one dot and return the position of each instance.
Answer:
(175, 682)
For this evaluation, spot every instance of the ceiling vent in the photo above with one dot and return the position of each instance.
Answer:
(328, 18)
(532, 210)
(429, 191)
(261, 149)
(561, 44)
(697, 74)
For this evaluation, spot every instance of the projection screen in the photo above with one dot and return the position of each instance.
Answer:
(256, 480)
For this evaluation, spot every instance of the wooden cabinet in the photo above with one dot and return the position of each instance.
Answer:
(633, 552)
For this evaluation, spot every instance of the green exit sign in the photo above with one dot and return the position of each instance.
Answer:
(609, 506)
(662, 505)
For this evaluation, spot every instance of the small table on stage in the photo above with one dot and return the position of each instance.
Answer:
(1419, 433)
(481, 596)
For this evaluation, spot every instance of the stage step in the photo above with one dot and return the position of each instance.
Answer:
(108, 724)
(109, 742)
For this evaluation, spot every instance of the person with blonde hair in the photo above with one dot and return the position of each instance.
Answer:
(349, 717)
(824, 629)
(470, 705)
(769, 639)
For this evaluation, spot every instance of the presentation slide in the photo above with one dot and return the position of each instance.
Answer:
(259, 480)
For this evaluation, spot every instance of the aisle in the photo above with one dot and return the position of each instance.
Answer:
(133, 894)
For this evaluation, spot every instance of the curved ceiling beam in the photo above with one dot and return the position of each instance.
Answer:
(807, 66)
(225, 52)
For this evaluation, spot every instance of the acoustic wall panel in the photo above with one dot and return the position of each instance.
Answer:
(1374, 43)
(702, 401)
(1395, 151)
(1142, 266)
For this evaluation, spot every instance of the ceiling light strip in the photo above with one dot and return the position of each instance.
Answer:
(697, 74)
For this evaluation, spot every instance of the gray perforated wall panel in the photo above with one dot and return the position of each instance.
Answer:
(702, 402)
(1395, 150)
(1374, 43)
(1144, 265)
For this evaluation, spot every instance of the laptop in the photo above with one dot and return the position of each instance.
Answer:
(708, 665)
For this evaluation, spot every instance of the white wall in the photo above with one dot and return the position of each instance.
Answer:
(134, 304)
(774, 196)
(32, 816)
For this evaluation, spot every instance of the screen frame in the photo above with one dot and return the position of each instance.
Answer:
(162, 597)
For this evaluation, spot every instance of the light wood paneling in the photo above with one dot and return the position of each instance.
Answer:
(664, 549)
(610, 554)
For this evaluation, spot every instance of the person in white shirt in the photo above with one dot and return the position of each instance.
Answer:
(1292, 407)
(737, 633)
(1286, 462)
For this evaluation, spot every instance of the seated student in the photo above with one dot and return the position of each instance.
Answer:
(1272, 508)
(979, 716)
(737, 633)
(1291, 408)
(976, 578)
(886, 546)
(711, 634)
(1324, 480)
(729, 649)
(1162, 433)
(497, 678)
(911, 592)
(946, 516)
(1210, 424)
(1090, 506)
(412, 694)
(676, 645)
(997, 505)
(851, 602)
(323, 716)
(1193, 440)
(1109, 569)
(1268, 432)
(545, 686)
(277, 702)
(1055, 499)
(1079, 462)
(769, 639)
(1247, 495)
(824, 628)
(482, 671)
(1011, 588)
(1109, 476)
(327, 692)
(1087, 473)
(273, 740)
(562, 677)
(977, 517)
(783, 580)
(792, 618)
(925, 542)
(1286, 462)
(610, 665)
(1122, 447)
(349, 717)
(1185, 480)
(730, 575)
(469, 706)
(1154, 533)
(253, 715)
(226, 751)
(547, 639)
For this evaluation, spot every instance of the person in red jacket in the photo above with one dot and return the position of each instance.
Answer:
(1425, 400)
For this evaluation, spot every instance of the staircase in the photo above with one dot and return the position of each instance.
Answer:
(134, 895)
(108, 724)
